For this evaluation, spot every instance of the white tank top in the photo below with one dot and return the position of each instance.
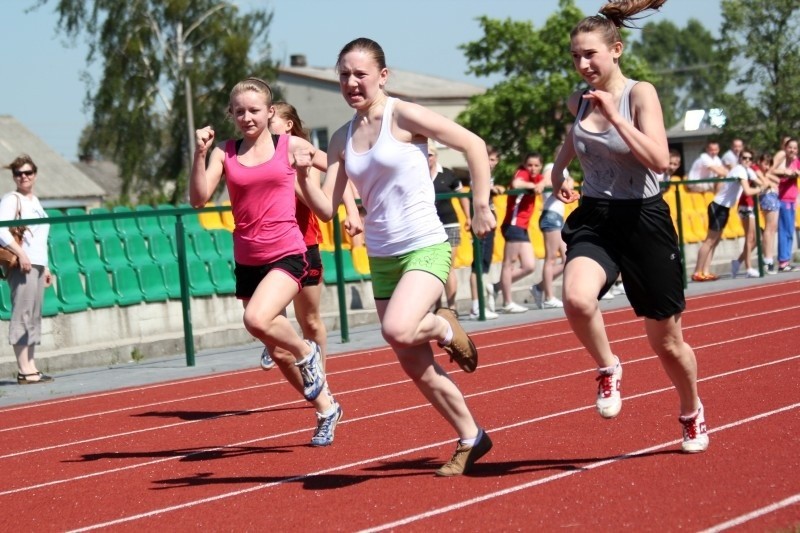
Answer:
(396, 191)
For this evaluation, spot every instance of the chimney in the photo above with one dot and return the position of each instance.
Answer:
(297, 60)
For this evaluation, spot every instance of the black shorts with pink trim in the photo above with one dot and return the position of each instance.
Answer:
(249, 276)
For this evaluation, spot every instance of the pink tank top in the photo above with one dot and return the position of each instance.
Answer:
(263, 205)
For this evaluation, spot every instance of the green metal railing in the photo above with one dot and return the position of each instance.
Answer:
(180, 236)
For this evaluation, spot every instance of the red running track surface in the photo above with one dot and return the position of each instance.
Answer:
(230, 451)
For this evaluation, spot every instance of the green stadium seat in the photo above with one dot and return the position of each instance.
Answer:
(87, 255)
(62, 256)
(172, 279)
(5, 301)
(51, 305)
(59, 230)
(221, 274)
(127, 226)
(113, 253)
(151, 280)
(105, 227)
(199, 280)
(203, 246)
(69, 287)
(191, 221)
(329, 267)
(148, 225)
(136, 250)
(223, 240)
(79, 230)
(167, 222)
(161, 249)
(99, 290)
(126, 285)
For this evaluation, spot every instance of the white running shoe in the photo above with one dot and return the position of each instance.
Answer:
(538, 296)
(609, 382)
(489, 315)
(607, 296)
(267, 363)
(735, 266)
(695, 434)
(552, 303)
(513, 307)
(617, 289)
(751, 273)
(490, 291)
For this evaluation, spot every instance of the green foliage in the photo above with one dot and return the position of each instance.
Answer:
(762, 38)
(689, 70)
(527, 111)
(148, 49)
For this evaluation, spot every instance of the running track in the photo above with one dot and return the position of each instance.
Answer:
(229, 451)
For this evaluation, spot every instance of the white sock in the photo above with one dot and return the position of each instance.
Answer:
(475, 307)
(448, 337)
(472, 441)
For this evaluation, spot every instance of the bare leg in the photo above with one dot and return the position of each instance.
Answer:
(408, 326)
(583, 279)
(677, 358)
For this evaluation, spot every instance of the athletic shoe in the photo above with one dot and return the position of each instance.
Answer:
(461, 348)
(771, 269)
(735, 265)
(699, 276)
(617, 289)
(489, 315)
(609, 400)
(538, 296)
(552, 303)
(695, 436)
(490, 291)
(313, 375)
(326, 425)
(787, 267)
(513, 308)
(607, 296)
(710, 276)
(465, 456)
(752, 273)
(267, 363)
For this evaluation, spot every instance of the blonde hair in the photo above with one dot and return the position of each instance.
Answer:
(288, 112)
(251, 84)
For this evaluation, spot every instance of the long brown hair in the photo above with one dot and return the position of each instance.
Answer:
(288, 112)
(613, 16)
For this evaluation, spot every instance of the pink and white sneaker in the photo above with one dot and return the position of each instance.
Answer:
(609, 382)
(695, 435)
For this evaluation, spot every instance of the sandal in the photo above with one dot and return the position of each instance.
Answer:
(22, 379)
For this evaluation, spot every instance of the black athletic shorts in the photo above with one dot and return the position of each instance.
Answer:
(249, 276)
(717, 216)
(637, 239)
(314, 261)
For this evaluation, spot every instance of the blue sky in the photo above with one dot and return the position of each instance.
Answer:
(42, 72)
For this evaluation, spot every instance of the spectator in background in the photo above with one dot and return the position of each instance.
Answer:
(747, 214)
(707, 166)
(731, 158)
(770, 206)
(487, 251)
(555, 250)
(719, 211)
(444, 181)
(518, 258)
(672, 169)
(32, 275)
(787, 195)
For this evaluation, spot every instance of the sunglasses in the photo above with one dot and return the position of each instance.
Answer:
(25, 173)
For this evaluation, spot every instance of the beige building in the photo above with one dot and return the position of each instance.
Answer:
(314, 91)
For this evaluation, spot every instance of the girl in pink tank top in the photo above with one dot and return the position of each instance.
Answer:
(268, 246)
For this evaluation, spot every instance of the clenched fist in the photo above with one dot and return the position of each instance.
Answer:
(204, 138)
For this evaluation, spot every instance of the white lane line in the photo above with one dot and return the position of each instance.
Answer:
(739, 520)
(606, 313)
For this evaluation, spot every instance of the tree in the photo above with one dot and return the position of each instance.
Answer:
(762, 38)
(527, 111)
(152, 52)
(690, 72)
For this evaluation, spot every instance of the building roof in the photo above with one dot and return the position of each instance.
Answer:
(402, 83)
(57, 180)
